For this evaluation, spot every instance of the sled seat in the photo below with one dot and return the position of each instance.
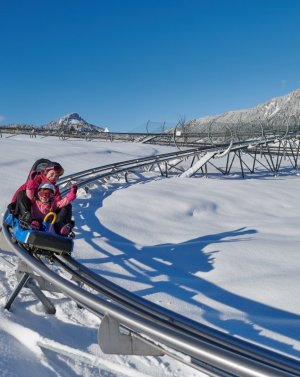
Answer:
(44, 241)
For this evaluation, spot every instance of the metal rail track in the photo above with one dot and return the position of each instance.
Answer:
(152, 311)
(210, 350)
(103, 171)
(178, 136)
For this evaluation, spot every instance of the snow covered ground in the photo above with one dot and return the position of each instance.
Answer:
(223, 251)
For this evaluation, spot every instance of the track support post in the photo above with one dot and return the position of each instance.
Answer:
(27, 279)
(112, 341)
(17, 290)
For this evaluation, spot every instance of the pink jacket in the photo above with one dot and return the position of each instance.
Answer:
(33, 184)
(40, 209)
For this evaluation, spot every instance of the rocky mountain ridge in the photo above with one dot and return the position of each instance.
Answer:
(278, 110)
(275, 110)
(71, 123)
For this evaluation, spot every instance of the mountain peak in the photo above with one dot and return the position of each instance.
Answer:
(72, 116)
(72, 122)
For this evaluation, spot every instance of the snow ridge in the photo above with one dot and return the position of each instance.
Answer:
(72, 123)
(277, 108)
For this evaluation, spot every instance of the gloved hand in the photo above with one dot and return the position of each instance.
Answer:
(71, 195)
(74, 188)
(35, 225)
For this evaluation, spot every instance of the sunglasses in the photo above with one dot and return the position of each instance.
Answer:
(45, 195)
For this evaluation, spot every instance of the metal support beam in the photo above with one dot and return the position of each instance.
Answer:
(17, 290)
(241, 163)
(254, 162)
(111, 341)
(26, 279)
(166, 167)
(47, 304)
(43, 284)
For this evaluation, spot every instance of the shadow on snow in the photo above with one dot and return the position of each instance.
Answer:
(171, 268)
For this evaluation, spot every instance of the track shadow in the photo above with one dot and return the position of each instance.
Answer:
(177, 270)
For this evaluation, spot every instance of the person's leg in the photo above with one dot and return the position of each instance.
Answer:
(23, 204)
(64, 223)
(23, 210)
(64, 215)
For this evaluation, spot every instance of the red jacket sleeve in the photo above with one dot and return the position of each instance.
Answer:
(66, 200)
(57, 194)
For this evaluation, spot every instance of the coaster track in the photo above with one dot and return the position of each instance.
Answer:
(210, 350)
(183, 134)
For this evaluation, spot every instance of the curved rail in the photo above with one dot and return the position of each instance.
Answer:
(145, 307)
(178, 336)
(192, 131)
(212, 350)
(129, 165)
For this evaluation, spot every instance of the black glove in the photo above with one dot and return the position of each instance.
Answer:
(74, 188)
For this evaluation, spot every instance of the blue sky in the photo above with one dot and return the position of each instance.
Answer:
(120, 63)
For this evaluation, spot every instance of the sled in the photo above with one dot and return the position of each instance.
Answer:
(42, 241)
